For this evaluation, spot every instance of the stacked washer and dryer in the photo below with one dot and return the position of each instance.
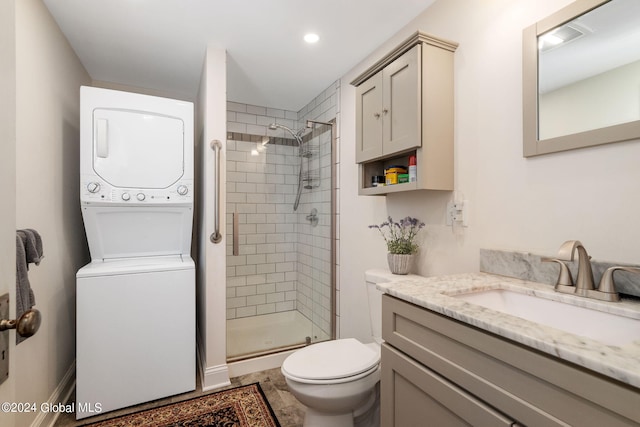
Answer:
(136, 299)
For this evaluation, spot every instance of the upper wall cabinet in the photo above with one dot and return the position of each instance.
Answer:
(404, 108)
(388, 109)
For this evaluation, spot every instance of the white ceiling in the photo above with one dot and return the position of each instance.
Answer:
(160, 44)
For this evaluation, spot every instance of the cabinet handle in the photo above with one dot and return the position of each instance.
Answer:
(385, 111)
(376, 115)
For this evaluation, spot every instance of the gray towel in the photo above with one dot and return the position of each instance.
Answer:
(28, 250)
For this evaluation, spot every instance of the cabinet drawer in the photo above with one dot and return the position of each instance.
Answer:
(414, 395)
(532, 387)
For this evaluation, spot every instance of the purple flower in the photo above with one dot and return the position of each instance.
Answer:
(400, 235)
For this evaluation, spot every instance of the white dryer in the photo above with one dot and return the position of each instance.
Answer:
(136, 299)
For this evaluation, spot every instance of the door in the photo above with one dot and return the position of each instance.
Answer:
(8, 188)
(369, 119)
(402, 97)
(137, 149)
(8, 267)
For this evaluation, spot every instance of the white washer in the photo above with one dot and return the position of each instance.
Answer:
(136, 299)
(135, 333)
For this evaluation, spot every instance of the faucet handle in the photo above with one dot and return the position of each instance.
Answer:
(607, 284)
(564, 277)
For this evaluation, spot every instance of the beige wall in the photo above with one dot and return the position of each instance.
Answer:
(144, 91)
(515, 203)
(47, 80)
(8, 179)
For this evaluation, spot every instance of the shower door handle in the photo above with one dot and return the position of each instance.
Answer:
(236, 235)
(216, 237)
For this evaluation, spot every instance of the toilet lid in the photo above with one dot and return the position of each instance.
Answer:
(331, 360)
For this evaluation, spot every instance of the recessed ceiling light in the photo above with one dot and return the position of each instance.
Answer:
(311, 38)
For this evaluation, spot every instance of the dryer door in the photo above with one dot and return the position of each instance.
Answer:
(136, 149)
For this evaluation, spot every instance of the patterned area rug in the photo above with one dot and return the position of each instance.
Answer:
(244, 406)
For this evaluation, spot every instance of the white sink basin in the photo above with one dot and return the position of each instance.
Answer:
(604, 327)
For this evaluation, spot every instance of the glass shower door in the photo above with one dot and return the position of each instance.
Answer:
(279, 274)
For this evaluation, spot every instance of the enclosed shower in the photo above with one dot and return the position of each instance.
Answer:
(281, 237)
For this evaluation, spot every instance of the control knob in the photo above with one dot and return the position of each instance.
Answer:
(126, 197)
(93, 187)
(183, 190)
(140, 196)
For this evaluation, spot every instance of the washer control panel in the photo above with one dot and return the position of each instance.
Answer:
(94, 190)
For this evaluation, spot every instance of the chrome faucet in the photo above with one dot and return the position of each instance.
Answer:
(584, 281)
(584, 285)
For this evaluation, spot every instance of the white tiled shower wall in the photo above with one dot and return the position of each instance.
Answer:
(284, 263)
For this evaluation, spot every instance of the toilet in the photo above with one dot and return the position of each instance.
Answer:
(338, 380)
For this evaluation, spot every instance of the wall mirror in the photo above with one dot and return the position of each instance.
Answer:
(581, 77)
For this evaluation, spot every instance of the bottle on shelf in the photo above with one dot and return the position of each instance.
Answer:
(413, 169)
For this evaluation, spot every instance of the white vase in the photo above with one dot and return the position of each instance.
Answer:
(400, 263)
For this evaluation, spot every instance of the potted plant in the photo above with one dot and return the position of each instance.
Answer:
(400, 238)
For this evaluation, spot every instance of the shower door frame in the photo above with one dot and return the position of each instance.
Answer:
(332, 259)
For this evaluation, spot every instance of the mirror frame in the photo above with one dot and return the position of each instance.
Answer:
(532, 146)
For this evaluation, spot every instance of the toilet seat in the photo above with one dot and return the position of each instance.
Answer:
(331, 362)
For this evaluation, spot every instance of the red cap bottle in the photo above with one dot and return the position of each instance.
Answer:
(413, 169)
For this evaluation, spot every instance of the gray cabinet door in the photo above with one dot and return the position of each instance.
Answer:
(412, 394)
(369, 119)
(401, 103)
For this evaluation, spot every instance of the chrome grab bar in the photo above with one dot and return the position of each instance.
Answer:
(216, 237)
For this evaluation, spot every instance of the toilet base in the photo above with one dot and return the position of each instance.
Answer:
(367, 415)
(313, 418)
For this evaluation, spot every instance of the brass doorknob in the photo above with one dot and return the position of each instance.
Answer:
(26, 325)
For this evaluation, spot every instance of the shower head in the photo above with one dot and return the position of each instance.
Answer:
(296, 135)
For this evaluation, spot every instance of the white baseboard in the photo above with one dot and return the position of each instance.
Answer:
(211, 377)
(215, 377)
(60, 396)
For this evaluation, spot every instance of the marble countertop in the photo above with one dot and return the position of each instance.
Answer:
(437, 294)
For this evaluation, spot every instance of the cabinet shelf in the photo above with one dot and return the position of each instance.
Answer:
(386, 189)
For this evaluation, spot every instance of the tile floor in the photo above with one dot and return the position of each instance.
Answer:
(288, 410)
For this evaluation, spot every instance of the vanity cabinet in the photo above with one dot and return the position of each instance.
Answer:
(444, 372)
(404, 107)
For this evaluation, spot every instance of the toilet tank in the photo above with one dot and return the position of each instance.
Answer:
(375, 311)
(372, 277)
